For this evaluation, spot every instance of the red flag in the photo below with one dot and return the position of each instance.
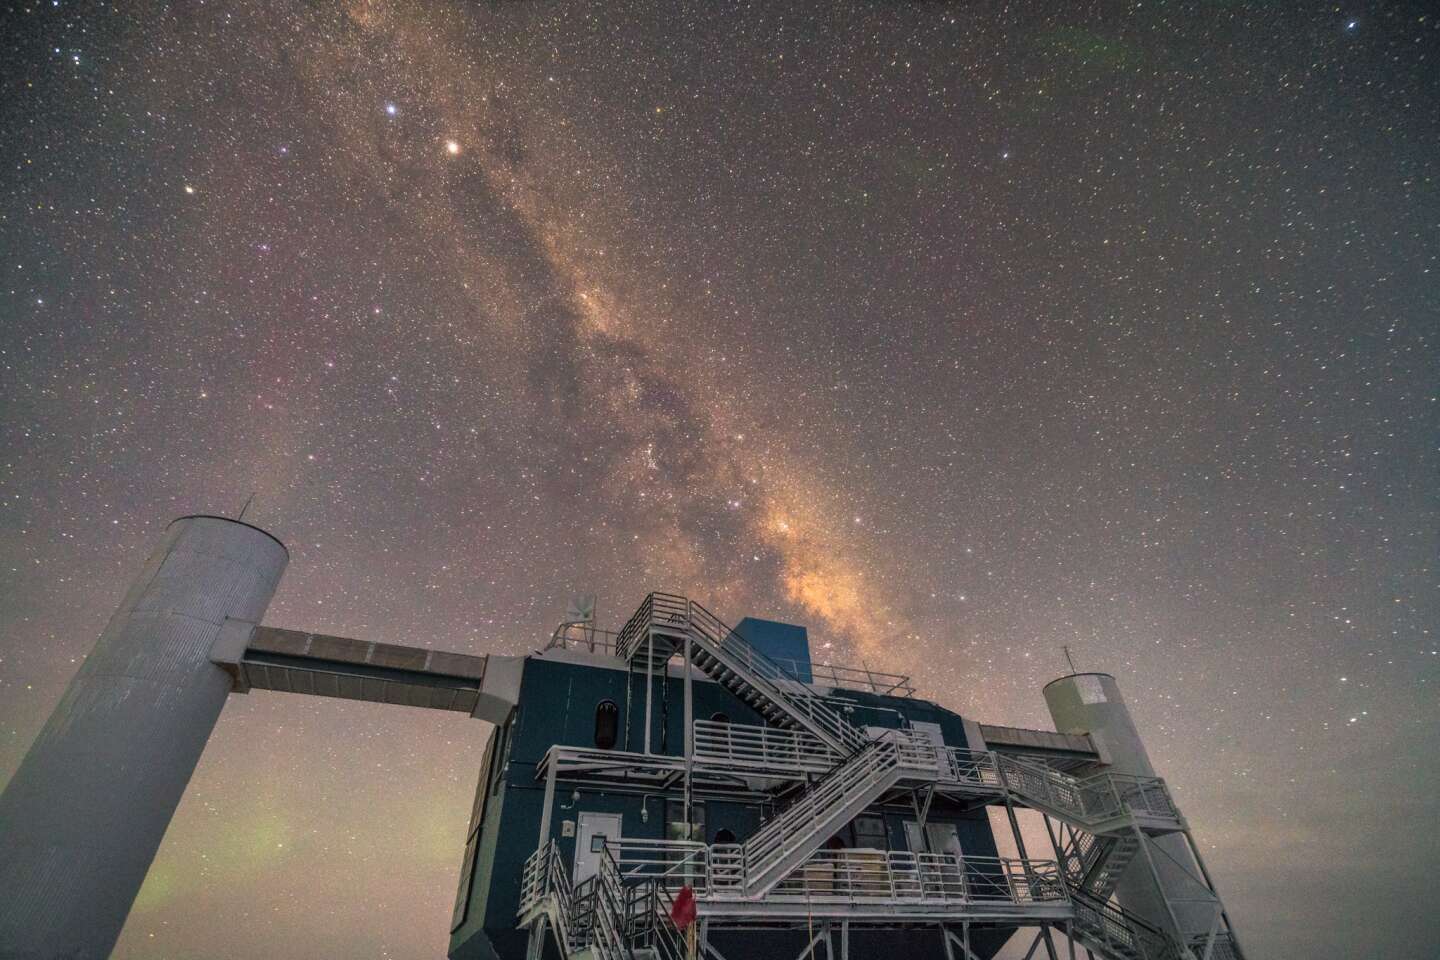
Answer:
(682, 912)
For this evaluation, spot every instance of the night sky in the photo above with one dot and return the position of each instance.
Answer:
(958, 332)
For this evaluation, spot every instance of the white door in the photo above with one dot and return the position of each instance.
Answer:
(591, 832)
(942, 837)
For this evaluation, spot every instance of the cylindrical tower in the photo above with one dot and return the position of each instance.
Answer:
(1091, 703)
(82, 818)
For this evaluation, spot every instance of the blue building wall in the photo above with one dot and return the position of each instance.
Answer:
(558, 702)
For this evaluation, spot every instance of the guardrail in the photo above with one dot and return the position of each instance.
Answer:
(1095, 799)
(797, 753)
(1116, 931)
(759, 670)
(774, 749)
(896, 876)
(849, 678)
(857, 876)
(583, 635)
(797, 824)
(657, 609)
(545, 886)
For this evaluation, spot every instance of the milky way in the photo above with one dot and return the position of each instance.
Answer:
(961, 333)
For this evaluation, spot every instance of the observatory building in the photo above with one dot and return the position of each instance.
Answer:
(675, 788)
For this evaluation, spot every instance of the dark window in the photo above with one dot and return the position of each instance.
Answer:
(675, 820)
(607, 724)
(724, 836)
(870, 832)
(719, 718)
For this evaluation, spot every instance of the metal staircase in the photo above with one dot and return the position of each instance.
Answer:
(547, 902)
(1108, 815)
(665, 621)
(1102, 927)
(610, 914)
(1103, 804)
(604, 917)
(1095, 864)
(752, 868)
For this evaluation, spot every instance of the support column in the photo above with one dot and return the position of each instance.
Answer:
(649, 683)
(549, 805)
(689, 720)
(82, 818)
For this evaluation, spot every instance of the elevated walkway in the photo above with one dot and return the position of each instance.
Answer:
(294, 661)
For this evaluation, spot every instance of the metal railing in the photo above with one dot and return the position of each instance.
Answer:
(545, 888)
(657, 609)
(1223, 948)
(856, 876)
(610, 913)
(817, 812)
(582, 635)
(1089, 801)
(650, 925)
(849, 678)
(797, 753)
(732, 653)
(727, 646)
(973, 768)
(1104, 925)
(772, 749)
(849, 875)
(673, 863)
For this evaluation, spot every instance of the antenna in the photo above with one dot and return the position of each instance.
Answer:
(248, 501)
(581, 613)
(1066, 648)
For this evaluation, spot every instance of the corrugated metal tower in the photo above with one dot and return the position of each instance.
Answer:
(82, 818)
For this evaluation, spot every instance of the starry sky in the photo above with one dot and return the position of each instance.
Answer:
(958, 332)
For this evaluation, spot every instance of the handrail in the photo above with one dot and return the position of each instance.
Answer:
(610, 915)
(796, 752)
(1111, 925)
(592, 638)
(849, 678)
(1095, 799)
(545, 884)
(710, 630)
(856, 875)
(782, 832)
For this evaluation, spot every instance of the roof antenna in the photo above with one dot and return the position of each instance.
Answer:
(247, 506)
(1066, 648)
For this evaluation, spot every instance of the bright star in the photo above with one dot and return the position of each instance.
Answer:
(452, 147)
(391, 109)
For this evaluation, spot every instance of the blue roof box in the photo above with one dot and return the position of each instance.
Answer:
(788, 644)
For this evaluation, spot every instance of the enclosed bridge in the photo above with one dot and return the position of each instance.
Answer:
(802, 809)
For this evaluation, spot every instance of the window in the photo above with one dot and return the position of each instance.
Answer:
(675, 820)
(870, 833)
(607, 724)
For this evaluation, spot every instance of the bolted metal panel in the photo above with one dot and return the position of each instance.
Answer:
(84, 814)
